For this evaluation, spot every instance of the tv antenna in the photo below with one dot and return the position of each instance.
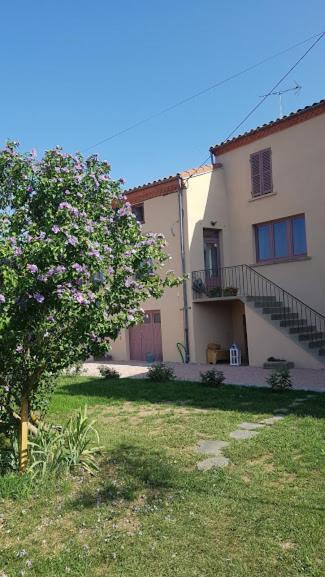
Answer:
(296, 89)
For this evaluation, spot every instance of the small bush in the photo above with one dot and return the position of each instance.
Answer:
(212, 378)
(108, 372)
(280, 380)
(159, 373)
(56, 451)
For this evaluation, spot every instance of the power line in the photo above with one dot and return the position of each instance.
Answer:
(200, 92)
(320, 36)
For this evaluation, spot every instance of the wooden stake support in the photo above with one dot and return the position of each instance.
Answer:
(23, 436)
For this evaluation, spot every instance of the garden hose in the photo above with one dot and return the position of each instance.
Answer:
(180, 346)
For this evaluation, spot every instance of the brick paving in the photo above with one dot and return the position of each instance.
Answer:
(302, 379)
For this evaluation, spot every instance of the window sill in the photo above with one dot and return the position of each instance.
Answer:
(281, 261)
(254, 198)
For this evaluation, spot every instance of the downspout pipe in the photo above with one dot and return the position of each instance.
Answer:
(181, 187)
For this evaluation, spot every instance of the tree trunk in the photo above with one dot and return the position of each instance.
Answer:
(23, 435)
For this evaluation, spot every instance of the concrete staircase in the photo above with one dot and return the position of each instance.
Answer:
(284, 310)
(301, 329)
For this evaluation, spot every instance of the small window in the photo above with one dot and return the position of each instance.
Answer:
(138, 211)
(281, 239)
(156, 318)
(261, 172)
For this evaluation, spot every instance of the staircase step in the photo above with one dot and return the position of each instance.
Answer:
(260, 298)
(293, 323)
(267, 303)
(284, 316)
(311, 336)
(302, 328)
(317, 344)
(275, 309)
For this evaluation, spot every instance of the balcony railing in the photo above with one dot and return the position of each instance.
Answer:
(244, 281)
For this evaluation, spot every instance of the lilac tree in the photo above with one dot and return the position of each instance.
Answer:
(75, 267)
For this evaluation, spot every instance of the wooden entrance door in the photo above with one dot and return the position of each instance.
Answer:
(145, 339)
(211, 258)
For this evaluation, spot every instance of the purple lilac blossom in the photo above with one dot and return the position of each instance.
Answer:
(32, 268)
(95, 253)
(38, 297)
(79, 298)
(72, 240)
(2, 298)
(55, 229)
(77, 267)
(18, 251)
(19, 349)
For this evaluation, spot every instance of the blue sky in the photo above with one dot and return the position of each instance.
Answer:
(74, 72)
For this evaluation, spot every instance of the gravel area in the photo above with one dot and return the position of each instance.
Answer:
(304, 379)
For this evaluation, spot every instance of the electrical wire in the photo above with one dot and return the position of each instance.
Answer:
(261, 101)
(201, 92)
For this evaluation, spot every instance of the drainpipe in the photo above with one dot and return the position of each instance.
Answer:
(181, 187)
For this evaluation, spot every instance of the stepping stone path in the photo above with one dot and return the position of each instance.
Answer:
(211, 447)
(251, 426)
(245, 431)
(272, 420)
(212, 463)
(240, 435)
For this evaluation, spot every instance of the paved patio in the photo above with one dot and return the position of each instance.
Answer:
(304, 379)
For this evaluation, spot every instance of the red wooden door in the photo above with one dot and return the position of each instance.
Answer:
(145, 339)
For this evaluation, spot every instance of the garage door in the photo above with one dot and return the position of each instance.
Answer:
(145, 339)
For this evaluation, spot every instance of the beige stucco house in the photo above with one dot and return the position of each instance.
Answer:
(249, 230)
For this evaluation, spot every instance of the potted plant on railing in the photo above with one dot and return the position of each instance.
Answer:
(230, 291)
(198, 286)
(215, 292)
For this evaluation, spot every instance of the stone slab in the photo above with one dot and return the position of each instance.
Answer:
(211, 447)
(251, 426)
(241, 435)
(212, 463)
(272, 420)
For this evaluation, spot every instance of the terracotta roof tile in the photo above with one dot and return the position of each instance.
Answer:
(164, 186)
(300, 115)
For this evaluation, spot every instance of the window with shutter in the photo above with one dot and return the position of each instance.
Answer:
(261, 172)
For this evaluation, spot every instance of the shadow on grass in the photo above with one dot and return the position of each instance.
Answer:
(137, 470)
(191, 394)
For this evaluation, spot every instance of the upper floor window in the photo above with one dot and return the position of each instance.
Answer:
(261, 172)
(138, 210)
(281, 239)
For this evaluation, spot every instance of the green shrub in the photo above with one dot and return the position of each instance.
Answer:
(8, 454)
(159, 373)
(212, 378)
(108, 372)
(215, 292)
(280, 380)
(56, 451)
(230, 291)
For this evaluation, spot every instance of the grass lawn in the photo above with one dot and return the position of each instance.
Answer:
(150, 512)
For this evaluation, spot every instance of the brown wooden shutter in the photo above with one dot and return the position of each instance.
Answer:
(261, 172)
(256, 174)
(266, 169)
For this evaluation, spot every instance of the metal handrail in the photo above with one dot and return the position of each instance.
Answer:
(244, 280)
